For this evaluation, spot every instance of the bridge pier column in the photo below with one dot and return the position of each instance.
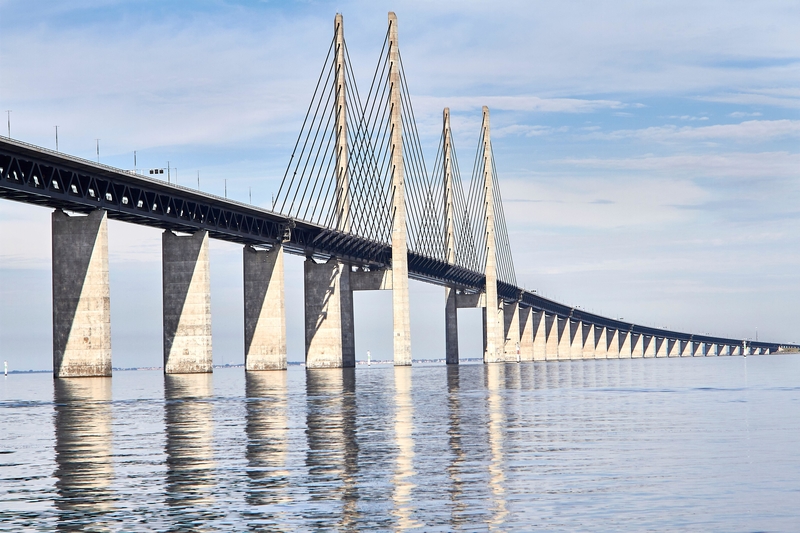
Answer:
(625, 350)
(613, 345)
(264, 309)
(711, 349)
(673, 348)
(526, 334)
(539, 336)
(450, 326)
(649, 345)
(81, 296)
(601, 342)
(511, 332)
(330, 334)
(576, 344)
(588, 341)
(637, 345)
(697, 349)
(186, 302)
(662, 346)
(685, 348)
(493, 326)
(564, 339)
(735, 350)
(551, 332)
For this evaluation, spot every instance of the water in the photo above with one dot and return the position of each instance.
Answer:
(637, 445)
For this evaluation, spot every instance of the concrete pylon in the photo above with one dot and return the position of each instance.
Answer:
(697, 349)
(493, 346)
(673, 348)
(600, 342)
(264, 309)
(649, 345)
(330, 334)
(625, 350)
(662, 346)
(613, 344)
(450, 306)
(526, 333)
(637, 345)
(564, 339)
(685, 348)
(186, 303)
(539, 336)
(343, 219)
(81, 295)
(511, 348)
(588, 341)
(551, 333)
(401, 312)
(576, 345)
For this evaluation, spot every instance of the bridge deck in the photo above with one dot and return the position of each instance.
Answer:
(39, 176)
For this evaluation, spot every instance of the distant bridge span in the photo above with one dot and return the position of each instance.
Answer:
(358, 203)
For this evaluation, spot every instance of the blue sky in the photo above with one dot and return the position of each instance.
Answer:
(647, 152)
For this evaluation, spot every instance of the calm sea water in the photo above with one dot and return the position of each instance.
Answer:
(643, 445)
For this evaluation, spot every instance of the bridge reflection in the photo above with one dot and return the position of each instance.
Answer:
(189, 426)
(83, 452)
(332, 453)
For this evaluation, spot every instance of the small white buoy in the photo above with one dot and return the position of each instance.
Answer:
(5, 365)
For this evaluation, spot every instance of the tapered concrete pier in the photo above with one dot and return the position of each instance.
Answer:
(81, 296)
(264, 309)
(450, 304)
(330, 334)
(186, 303)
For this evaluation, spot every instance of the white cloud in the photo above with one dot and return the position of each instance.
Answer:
(749, 131)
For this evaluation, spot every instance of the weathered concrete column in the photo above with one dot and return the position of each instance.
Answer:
(662, 346)
(551, 332)
(613, 344)
(450, 308)
(576, 346)
(186, 302)
(735, 350)
(564, 339)
(539, 336)
(673, 348)
(511, 332)
(650, 343)
(600, 342)
(526, 333)
(330, 333)
(81, 296)
(637, 345)
(710, 349)
(724, 350)
(589, 340)
(685, 348)
(264, 309)
(401, 312)
(697, 349)
(625, 350)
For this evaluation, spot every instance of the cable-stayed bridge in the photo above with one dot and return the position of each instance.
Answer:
(364, 207)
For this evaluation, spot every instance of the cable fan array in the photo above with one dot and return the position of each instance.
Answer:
(309, 188)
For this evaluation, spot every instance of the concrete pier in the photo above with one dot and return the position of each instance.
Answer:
(511, 332)
(330, 333)
(649, 345)
(264, 309)
(625, 351)
(539, 336)
(588, 341)
(637, 345)
(81, 296)
(576, 344)
(526, 334)
(613, 344)
(564, 339)
(551, 334)
(600, 342)
(662, 346)
(186, 303)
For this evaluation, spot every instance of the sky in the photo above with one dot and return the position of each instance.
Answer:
(648, 152)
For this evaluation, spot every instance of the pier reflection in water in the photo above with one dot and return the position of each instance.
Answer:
(332, 448)
(585, 445)
(267, 421)
(189, 426)
(84, 473)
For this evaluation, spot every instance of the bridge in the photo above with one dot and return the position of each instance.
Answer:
(357, 201)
